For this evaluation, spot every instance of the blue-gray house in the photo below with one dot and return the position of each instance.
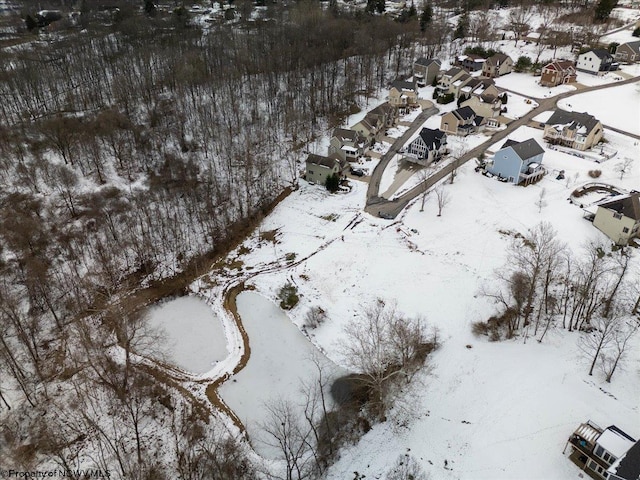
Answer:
(518, 162)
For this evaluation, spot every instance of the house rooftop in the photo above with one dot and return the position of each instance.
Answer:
(628, 467)
(627, 205)
(601, 53)
(497, 59)
(345, 134)
(425, 62)
(525, 150)
(401, 85)
(328, 162)
(635, 46)
(574, 119)
(615, 441)
(433, 139)
(464, 113)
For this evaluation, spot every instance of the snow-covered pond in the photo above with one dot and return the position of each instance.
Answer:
(192, 336)
(280, 362)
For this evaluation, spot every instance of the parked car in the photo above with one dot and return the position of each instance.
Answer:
(357, 172)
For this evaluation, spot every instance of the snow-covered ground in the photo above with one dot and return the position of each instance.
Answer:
(527, 85)
(192, 337)
(625, 117)
(491, 410)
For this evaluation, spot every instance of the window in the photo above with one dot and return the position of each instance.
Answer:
(310, 172)
(617, 216)
(625, 230)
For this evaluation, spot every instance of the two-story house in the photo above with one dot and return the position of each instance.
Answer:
(518, 162)
(596, 450)
(425, 70)
(375, 123)
(558, 72)
(463, 121)
(497, 65)
(319, 167)
(449, 77)
(596, 61)
(403, 94)
(471, 62)
(428, 147)
(628, 52)
(347, 144)
(619, 217)
(572, 129)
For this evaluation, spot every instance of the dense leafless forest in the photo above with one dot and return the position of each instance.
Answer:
(135, 144)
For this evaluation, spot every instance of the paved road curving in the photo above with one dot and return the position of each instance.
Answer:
(376, 205)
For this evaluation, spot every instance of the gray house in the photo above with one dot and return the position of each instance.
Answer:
(518, 162)
(428, 147)
(425, 70)
(319, 167)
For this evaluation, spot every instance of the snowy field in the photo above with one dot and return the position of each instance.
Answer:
(491, 410)
(280, 362)
(192, 336)
(527, 85)
(625, 117)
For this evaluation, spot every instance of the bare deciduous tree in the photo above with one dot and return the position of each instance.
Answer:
(442, 197)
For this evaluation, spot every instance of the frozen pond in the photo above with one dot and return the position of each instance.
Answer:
(193, 336)
(280, 361)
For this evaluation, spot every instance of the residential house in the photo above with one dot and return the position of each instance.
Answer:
(471, 62)
(572, 129)
(426, 70)
(428, 147)
(319, 167)
(478, 86)
(497, 65)
(403, 94)
(558, 72)
(449, 77)
(463, 121)
(628, 52)
(619, 217)
(483, 96)
(518, 162)
(347, 144)
(627, 467)
(596, 61)
(375, 123)
(459, 83)
(596, 450)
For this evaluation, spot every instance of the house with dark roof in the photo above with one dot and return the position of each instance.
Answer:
(596, 61)
(403, 94)
(628, 466)
(471, 62)
(428, 147)
(518, 162)
(619, 217)
(319, 167)
(558, 72)
(573, 129)
(596, 450)
(449, 77)
(347, 144)
(497, 65)
(375, 123)
(425, 70)
(628, 52)
(463, 121)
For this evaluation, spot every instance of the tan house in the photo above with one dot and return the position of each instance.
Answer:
(319, 167)
(497, 65)
(425, 70)
(628, 52)
(557, 73)
(347, 144)
(403, 94)
(463, 121)
(449, 77)
(619, 217)
(572, 129)
(487, 106)
(478, 86)
(375, 123)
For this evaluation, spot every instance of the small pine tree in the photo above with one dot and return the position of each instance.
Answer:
(636, 32)
(288, 296)
(463, 26)
(30, 22)
(332, 183)
(603, 9)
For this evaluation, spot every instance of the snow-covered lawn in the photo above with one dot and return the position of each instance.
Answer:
(624, 116)
(397, 132)
(517, 106)
(527, 85)
(495, 410)
(192, 337)
(280, 362)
